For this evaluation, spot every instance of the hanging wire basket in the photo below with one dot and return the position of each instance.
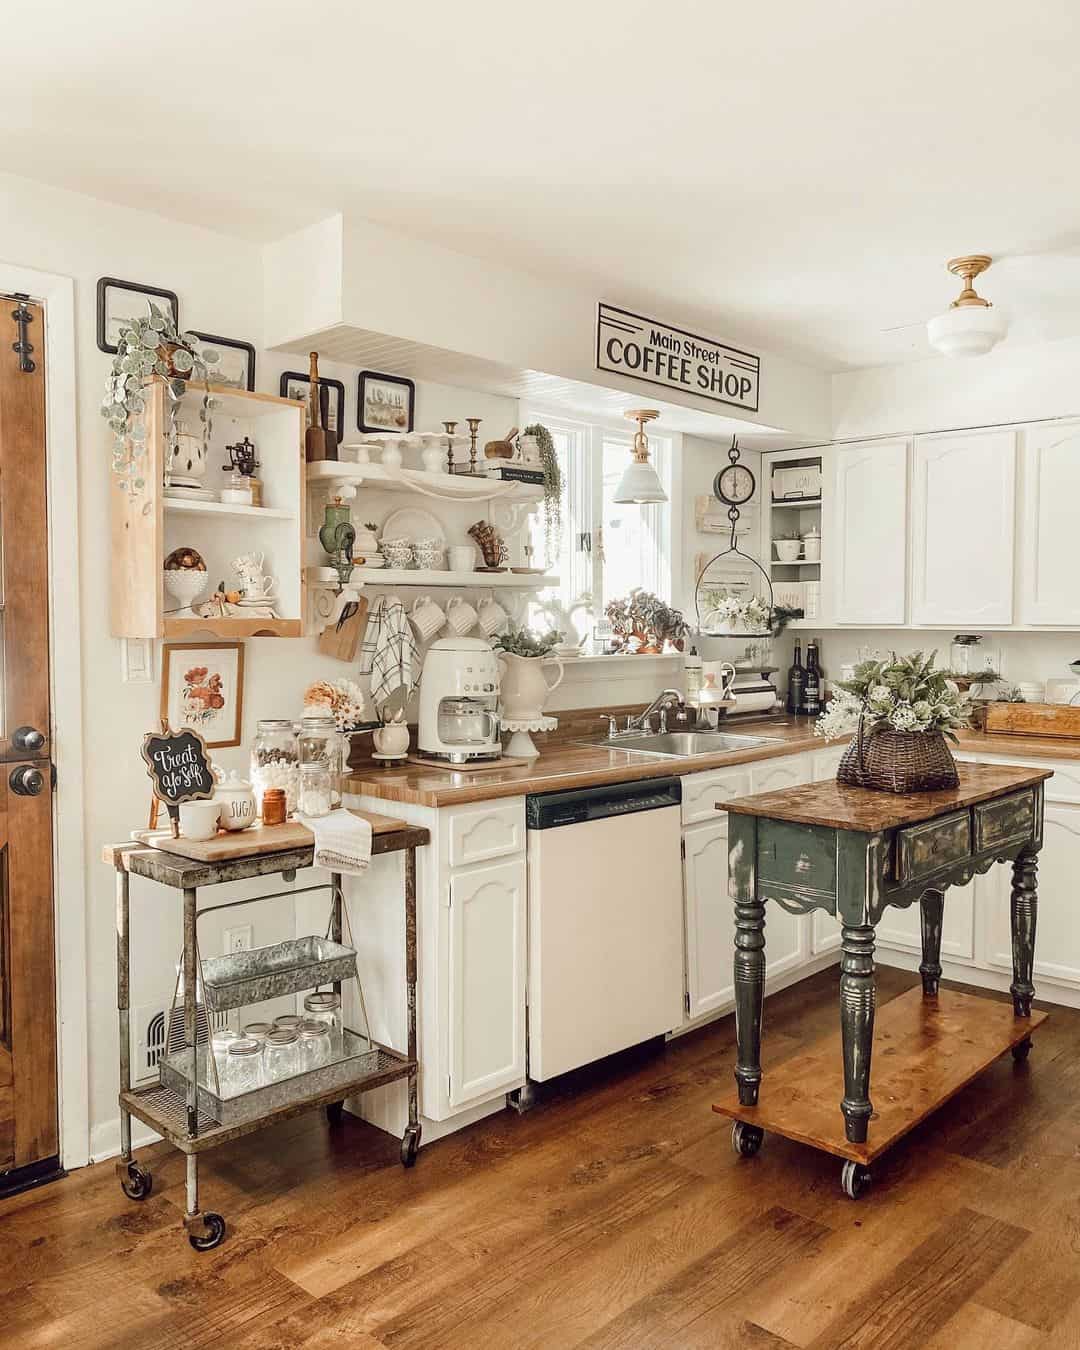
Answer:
(726, 626)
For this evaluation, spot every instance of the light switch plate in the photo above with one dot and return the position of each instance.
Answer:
(137, 660)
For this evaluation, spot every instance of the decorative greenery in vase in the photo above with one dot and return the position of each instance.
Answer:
(524, 642)
(146, 347)
(553, 489)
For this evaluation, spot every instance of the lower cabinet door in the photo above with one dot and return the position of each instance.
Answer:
(903, 927)
(487, 979)
(710, 917)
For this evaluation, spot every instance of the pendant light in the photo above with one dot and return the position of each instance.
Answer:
(640, 483)
(971, 326)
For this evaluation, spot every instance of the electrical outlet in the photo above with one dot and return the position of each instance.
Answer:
(238, 939)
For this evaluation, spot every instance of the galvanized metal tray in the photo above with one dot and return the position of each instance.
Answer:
(359, 1063)
(241, 978)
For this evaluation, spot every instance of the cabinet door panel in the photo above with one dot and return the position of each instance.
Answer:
(963, 505)
(866, 530)
(701, 792)
(1047, 553)
(773, 774)
(710, 917)
(902, 928)
(487, 979)
(1057, 936)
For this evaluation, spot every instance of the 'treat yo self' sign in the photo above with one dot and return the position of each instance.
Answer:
(178, 765)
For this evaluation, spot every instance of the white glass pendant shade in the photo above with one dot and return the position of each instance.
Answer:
(966, 332)
(640, 483)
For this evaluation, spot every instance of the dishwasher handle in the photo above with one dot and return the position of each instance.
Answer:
(549, 810)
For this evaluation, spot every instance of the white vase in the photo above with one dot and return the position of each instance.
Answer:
(523, 686)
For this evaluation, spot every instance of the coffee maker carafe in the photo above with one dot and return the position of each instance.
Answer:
(459, 699)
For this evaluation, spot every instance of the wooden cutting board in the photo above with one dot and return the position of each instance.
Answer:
(259, 839)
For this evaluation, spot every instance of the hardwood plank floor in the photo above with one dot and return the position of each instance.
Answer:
(615, 1215)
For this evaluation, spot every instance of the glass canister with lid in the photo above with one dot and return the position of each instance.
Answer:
(243, 1067)
(326, 1007)
(275, 760)
(282, 1054)
(320, 742)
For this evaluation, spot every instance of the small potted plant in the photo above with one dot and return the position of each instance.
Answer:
(522, 656)
(902, 710)
(643, 623)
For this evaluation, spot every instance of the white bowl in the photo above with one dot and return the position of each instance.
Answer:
(787, 550)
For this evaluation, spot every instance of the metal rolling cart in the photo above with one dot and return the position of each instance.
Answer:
(183, 1108)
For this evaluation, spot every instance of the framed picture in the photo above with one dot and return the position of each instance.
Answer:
(118, 302)
(331, 399)
(236, 368)
(384, 402)
(202, 687)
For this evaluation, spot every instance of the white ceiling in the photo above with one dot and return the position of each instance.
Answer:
(791, 174)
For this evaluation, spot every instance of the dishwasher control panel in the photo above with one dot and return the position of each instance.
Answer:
(548, 810)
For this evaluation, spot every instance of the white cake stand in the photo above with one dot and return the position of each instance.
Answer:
(521, 743)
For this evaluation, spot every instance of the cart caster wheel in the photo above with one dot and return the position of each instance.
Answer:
(138, 1183)
(1021, 1050)
(410, 1145)
(746, 1139)
(214, 1235)
(854, 1178)
(334, 1112)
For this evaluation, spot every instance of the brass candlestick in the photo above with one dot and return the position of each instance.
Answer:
(449, 428)
(474, 423)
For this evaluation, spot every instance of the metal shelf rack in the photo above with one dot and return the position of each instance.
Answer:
(175, 1115)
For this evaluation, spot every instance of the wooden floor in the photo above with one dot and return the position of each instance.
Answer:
(614, 1215)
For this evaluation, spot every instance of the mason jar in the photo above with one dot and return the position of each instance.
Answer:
(220, 1040)
(326, 1007)
(243, 1071)
(320, 742)
(282, 1054)
(315, 797)
(314, 1044)
(258, 1031)
(275, 759)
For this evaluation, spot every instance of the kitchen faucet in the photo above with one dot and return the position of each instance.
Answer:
(667, 698)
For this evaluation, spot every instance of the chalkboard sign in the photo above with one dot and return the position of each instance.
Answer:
(179, 766)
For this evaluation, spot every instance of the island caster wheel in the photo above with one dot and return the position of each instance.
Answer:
(1021, 1050)
(410, 1145)
(137, 1183)
(854, 1178)
(746, 1139)
(214, 1235)
(334, 1112)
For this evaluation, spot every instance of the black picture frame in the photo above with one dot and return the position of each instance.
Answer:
(215, 340)
(326, 388)
(369, 376)
(107, 284)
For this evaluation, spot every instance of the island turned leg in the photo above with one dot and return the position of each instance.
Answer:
(1023, 913)
(932, 907)
(749, 955)
(857, 1027)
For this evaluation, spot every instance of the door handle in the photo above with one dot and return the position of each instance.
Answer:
(26, 780)
(27, 739)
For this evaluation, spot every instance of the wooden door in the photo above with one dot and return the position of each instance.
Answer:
(1047, 552)
(865, 533)
(28, 1094)
(963, 502)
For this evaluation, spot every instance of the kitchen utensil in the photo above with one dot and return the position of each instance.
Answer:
(426, 617)
(460, 616)
(412, 523)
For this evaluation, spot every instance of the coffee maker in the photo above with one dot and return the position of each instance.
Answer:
(459, 699)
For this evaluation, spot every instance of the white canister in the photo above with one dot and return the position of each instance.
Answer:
(462, 557)
(812, 545)
(236, 797)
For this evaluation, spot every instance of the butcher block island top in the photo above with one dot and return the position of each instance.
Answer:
(868, 812)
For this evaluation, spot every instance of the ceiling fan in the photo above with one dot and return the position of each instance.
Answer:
(971, 326)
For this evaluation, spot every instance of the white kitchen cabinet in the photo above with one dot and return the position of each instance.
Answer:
(710, 917)
(963, 504)
(902, 928)
(770, 775)
(485, 831)
(701, 792)
(864, 533)
(1050, 488)
(487, 979)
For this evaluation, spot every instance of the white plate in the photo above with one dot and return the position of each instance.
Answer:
(191, 494)
(412, 523)
(266, 600)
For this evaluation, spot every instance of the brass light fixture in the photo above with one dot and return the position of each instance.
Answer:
(640, 483)
(970, 326)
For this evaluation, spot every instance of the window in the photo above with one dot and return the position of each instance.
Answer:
(607, 549)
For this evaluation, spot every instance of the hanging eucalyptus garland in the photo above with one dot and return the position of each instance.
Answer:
(146, 347)
(553, 490)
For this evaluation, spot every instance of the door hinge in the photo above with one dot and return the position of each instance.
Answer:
(682, 848)
(686, 1001)
(23, 346)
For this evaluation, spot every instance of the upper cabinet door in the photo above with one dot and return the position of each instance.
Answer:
(1047, 553)
(963, 502)
(865, 533)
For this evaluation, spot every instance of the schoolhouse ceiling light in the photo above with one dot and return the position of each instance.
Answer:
(971, 326)
(640, 482)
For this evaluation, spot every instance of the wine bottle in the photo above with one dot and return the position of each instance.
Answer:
(796, 682)
(811, 701)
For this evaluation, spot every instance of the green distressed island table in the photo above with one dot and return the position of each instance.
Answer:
(853, 852)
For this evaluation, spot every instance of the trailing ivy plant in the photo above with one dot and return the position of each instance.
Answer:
(146, 347)
(553, 490)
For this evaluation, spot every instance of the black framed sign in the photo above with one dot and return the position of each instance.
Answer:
(118, 302)
(645, 349)
(384, 402)
(236, 367)
(178, 765)
(294, 385)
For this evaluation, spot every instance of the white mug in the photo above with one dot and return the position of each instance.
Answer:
(462, 557)
(491, 616)
(199, 820)
(258, 586)
(460, 616)
(426, 617)
(248, 564)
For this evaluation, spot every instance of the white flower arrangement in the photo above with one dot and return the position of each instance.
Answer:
(344, 700)
(901, 694)
(736, 614)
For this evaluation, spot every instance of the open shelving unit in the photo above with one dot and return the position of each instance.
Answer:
(781, 518)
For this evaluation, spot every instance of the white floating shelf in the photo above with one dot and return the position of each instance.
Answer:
(395, 576)
(188, 506)
(798, 504)
(450, 486)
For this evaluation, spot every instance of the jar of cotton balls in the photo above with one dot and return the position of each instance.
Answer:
(315, 789)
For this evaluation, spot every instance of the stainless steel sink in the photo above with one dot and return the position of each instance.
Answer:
(679, 743)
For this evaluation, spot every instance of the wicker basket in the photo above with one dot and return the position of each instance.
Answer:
(898, 761)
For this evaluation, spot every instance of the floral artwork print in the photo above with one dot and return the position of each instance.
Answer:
(201, 696)
(203, 688)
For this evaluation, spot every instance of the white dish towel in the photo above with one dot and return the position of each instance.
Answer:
(342, 841)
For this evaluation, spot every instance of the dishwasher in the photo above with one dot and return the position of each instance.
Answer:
(605, 921)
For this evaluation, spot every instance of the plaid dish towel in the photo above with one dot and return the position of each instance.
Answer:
(395, 661)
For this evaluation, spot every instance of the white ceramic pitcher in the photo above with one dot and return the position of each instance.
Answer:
(523, 686)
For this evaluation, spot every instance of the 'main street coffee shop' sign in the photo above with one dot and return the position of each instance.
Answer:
(628, 344)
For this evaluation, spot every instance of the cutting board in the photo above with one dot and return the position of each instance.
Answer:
(258, 840)
(341, 640)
